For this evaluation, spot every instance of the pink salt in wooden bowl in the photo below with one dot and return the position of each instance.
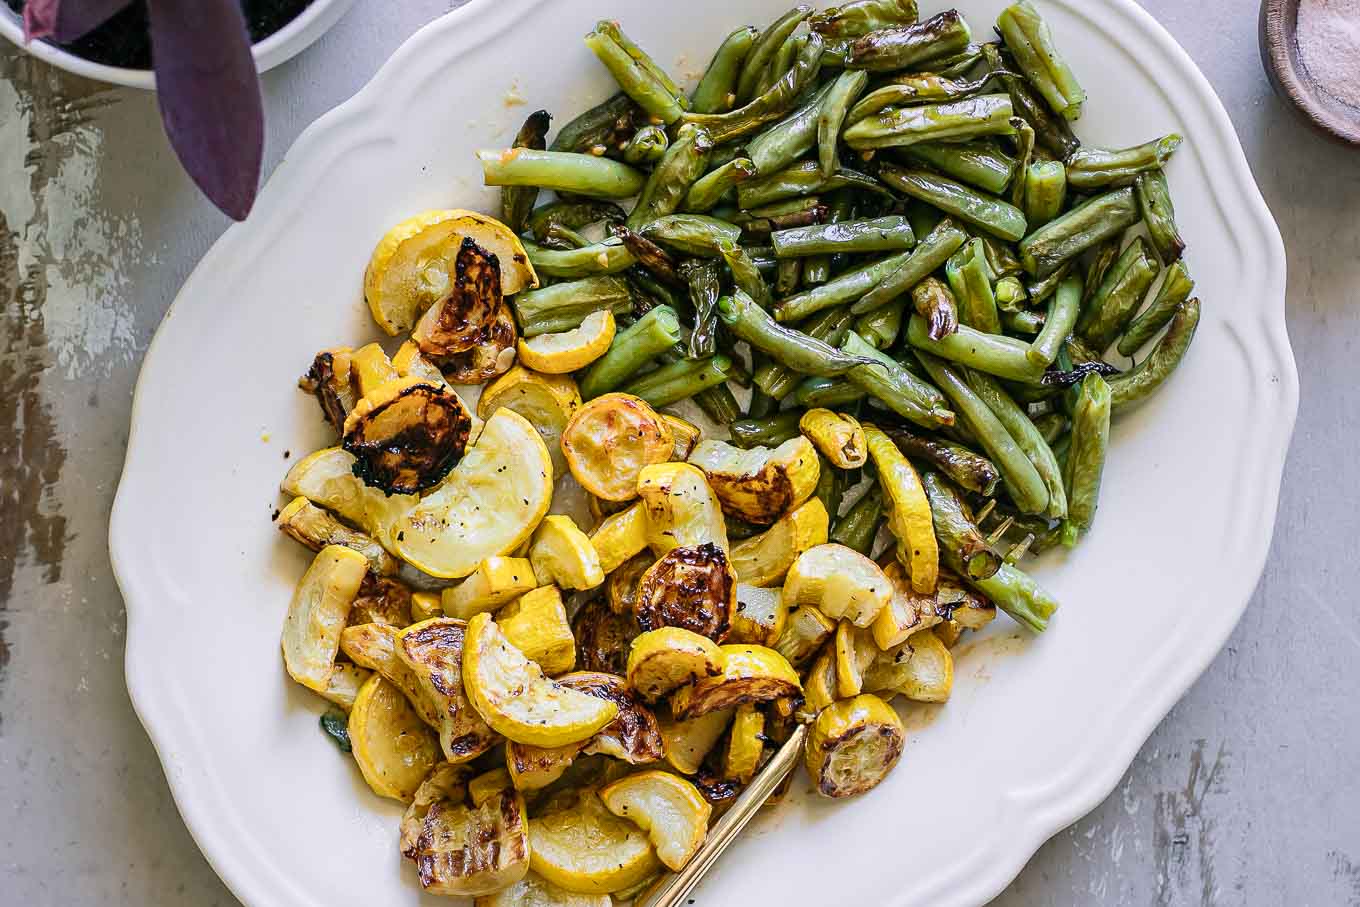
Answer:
(1291, 79)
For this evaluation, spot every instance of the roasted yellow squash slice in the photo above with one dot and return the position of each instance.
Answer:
(516, 699)
(837, 436)
(317, 615)
(662, 660)
(413, 265)
(622, 586)
(371, 369)
(620, 536)
(750, 674)
(536, 624)
(407, 434)
(316, 528)
(610, 440)
(687, 435)
(855, 652)
(634, 736)
(667, 807)
(535, 767)
(688, 742)
(327, 478)
(381, 600)
(744, 744)
(805, 630)
(346, 681)
(547, 401)
(567, 351)
(469, 851)
(819, 687)
(562, 554)
(682, 509)
(840, 581)
(445, 781)
(487, 785)
(908, 511)
(853, 745)
(434, 651)
(922, 668)
(491, 502)
(393, 747)
(761, 484)
(759, 615)
(764, 559)
(496, 581)
(585, 848)
(692, 587)
(374, 646)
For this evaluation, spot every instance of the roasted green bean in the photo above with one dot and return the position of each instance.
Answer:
(768, 432)
(1142, 380)
(1176, 288)
(828, 326)
(680, 380)
(1045, 192)
(573, 215)
(880, 327)
(561, 171)
(1119, 296)
(790, 138)
(1017, 594)
(1022, 480)
(746, 275)
(844, 91)
(717, 90)
(710, 188)
(1090, 223)
(604, 129)
(682, 164)
(1029, 40)
(518, 201)
(895, 387)
(988, 114)
(692, 234)
(647, 146)
(1051, 131)
(917, 88)
(637, 74)
(563, 306)
(772, 104)
(1029, 439)
(1010, 294)
(801, 179)
(1103, 168)
(933, 301)
(882, 234)
(826, 393)
(1086, 456)
(609, 256)
(994, 354)
(858, 528)
(963, 547)
(1062, 319)
(800, 352)
(932, 251)
(848, 286)
(704, 288)
(764, 48)
(965, 468)
(887, 49)
(967, 204)
(859, 17)
(1154, 201)
(970, 279)
(632, 349)
(980, 164)
(719, 403)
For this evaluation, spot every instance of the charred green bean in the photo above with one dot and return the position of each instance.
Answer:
(1026, 436)
(858, 528)
(1090, 223)
(1154, 201)
(933, 301)
(983, 211)
(561, 171)
(563, 306)
(1104, 168)
(970, 278)
(800, 352)
(1086, 455)
(1062, 319)
(1176, 288)
(887, 49)
(886, 380)
(692, 234)
(1045, 192)
(980, 164)
(647, 146)
(994, 354)
(844, 91)
(882, 234)
(637, 74)
(768, 432)
(1030, 41)
(965, 468)
(518, 201)
(683, 163)
(1142, 380)
(717, 90)
(932, 252)
(710, 188)
(963, 547)
(988, 114)
(1119, 296)
(859, 17)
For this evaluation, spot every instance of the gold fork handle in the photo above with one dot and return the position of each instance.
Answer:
(672, 888)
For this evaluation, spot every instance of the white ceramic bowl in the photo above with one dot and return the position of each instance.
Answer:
(284, 44)
(1038, 730)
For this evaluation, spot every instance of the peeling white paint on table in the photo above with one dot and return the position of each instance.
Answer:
(1247, 794)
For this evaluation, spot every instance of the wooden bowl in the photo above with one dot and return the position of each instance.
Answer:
(1280, 54)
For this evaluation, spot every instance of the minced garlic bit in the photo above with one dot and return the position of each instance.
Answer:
(603, 259)
(598, 150)
(509, 154)
(512, 97)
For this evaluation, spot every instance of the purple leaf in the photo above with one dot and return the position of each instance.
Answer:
(210, 97)
(67, 20)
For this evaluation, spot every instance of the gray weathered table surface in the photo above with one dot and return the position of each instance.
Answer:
(1248, 793)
